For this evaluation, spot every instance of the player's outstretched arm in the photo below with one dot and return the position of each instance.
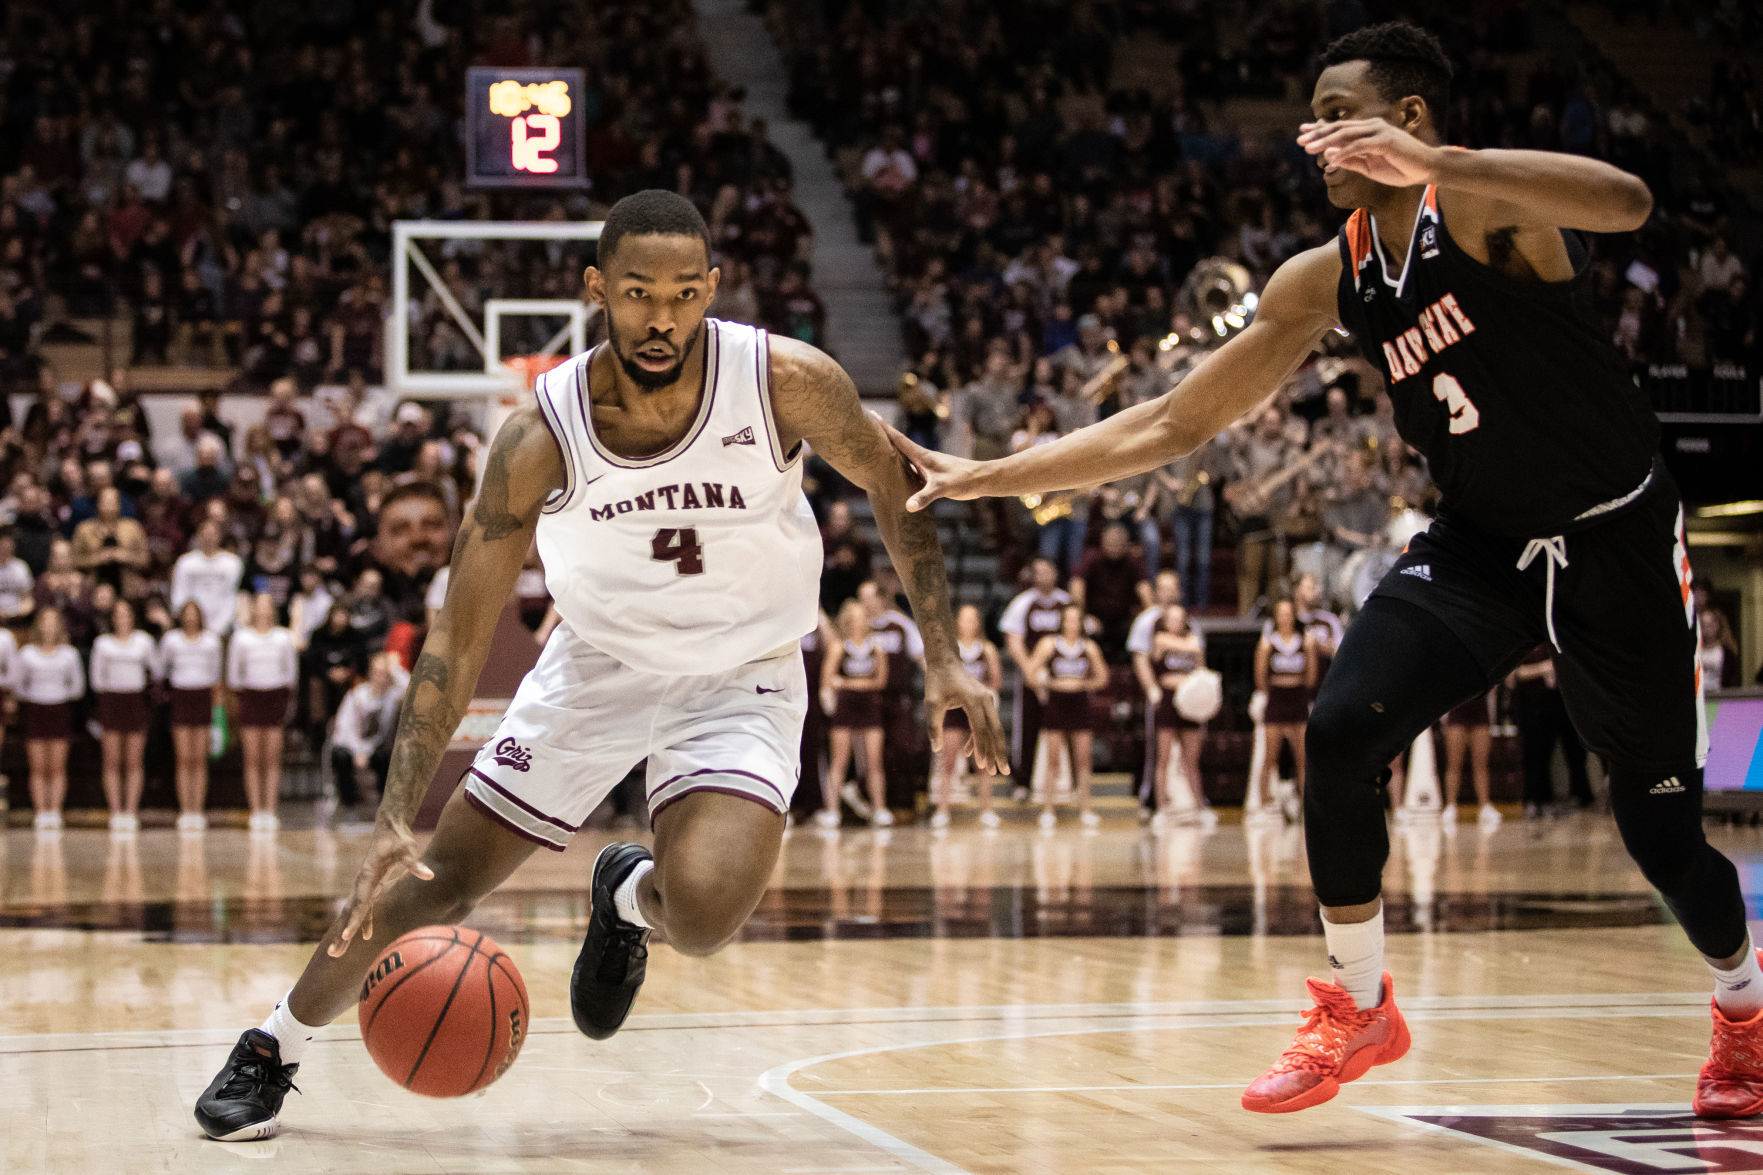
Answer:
(1533, 188)
(1296, 310)
(523, 468)
(814, 401)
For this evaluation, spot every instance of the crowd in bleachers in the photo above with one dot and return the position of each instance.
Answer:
(1042, 226)
(226, 180)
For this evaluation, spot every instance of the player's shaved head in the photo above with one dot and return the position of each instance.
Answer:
(653, 212)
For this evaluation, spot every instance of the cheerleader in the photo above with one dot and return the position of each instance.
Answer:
(1285, 671)
(980, 656)
(8, 682)
(261, 670)
(190, 657)
(51, 679)
(851, 680)
(1467, 731)
(1176, 653)
(124, 663)
(1066, 670)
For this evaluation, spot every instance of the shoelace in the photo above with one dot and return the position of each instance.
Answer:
(1328, 1027)
(626, 945)
(1734, 1055)
(1556, 550)
(252, 1073)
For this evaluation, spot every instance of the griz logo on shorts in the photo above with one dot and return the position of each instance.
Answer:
(515, 1031)
(386, 966)
(511, 754)
(703, 495)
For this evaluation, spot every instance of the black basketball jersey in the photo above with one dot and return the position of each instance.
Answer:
(1520, 406)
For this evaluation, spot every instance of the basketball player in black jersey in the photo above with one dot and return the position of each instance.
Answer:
(1456, 274)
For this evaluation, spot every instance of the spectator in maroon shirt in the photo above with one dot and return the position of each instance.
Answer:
(1106, 586)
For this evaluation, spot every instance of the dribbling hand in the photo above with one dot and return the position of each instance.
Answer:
(391, 854)
(943, 476)
(953, 685)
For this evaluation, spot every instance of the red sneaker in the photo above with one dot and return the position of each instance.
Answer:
(1731, 1083)
(1337, 1044)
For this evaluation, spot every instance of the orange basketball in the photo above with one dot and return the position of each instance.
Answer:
(444, 1011)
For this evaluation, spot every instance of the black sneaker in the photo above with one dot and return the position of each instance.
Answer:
(615, 956)
(241, 1103)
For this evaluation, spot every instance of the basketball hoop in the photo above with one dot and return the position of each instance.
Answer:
(530, 367)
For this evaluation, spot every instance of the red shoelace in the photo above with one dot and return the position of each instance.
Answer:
(1329, 1027)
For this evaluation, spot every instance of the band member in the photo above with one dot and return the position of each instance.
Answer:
(125, 661)
(1468, 735)
(1067, 669)
(1285, 671)
(851, 683)
(262, 669)
(1317, 621)
(981, 658)
(190, 657)
(50, 680)
(1177, 652)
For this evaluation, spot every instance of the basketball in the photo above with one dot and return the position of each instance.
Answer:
(443, 1011)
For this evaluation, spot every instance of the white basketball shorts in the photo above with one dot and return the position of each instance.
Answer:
(580, 721)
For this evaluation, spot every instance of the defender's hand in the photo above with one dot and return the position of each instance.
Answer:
(946, 686)
(943, 476)
(1373, 148)
(391, 854)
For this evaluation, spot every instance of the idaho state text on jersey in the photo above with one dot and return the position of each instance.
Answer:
(703, 495)
(1441, 325)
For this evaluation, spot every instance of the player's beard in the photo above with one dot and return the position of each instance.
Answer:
(653, 381)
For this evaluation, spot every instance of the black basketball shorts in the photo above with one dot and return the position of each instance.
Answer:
(1619, 616)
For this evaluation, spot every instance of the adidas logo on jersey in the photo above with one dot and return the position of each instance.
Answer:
(1667, 787)
(1419, 571)
(744, 437)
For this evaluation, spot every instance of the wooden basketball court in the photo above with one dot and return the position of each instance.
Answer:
(903, 1001)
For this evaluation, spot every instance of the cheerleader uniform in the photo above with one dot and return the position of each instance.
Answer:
(48, 686)
(859, 709)
(1067, 710)
(1183, 661)
(8, 663)
(1287, 704)
(121, 672)
(973, 659)
(261, 668)
(192, 668)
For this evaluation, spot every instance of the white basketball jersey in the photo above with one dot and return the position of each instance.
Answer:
(695, 560)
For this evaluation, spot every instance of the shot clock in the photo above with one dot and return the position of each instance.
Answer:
(524, 128)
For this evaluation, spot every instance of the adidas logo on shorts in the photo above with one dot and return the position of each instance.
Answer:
(1668, 787)
(744, 437)
(1419, 571)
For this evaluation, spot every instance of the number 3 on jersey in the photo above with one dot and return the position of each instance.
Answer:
(1464, 417)
(680, 548)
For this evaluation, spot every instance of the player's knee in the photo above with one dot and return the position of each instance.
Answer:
(1336, 739)
(703, 910)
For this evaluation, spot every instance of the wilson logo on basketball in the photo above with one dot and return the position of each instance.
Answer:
(511, 754)
(515, 1033)
(392, 962)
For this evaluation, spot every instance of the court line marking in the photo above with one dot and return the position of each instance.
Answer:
(1609, 1110)
(776, 1080)
(828, 1017)
(1246, 1080)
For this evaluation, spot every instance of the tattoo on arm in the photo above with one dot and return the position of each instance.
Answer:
(426, 724)
(492, 514)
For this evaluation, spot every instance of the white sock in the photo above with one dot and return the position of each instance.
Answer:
(1355, 954)
(625, 897)
(1739, 992)
(290, 1034)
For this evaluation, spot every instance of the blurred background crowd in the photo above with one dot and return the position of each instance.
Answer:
(1070, 203)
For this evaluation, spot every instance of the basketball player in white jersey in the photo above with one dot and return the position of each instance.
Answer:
(661, 474)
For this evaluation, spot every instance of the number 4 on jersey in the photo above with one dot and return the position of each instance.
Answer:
(680, 548)
(1464, 417)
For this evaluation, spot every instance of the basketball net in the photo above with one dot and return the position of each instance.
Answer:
(523, 375)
